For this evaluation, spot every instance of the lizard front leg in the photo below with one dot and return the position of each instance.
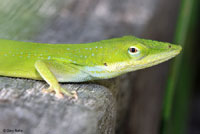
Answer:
(49, 77)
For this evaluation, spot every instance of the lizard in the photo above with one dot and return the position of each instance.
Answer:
(82, 62)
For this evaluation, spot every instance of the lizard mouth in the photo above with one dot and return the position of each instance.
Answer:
(158, 58)
(162, 57)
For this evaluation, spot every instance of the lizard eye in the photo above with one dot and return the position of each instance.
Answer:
(133, 50)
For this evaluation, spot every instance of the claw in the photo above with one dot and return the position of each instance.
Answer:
(72, 94)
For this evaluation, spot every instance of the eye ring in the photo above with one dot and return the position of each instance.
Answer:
(133, 50)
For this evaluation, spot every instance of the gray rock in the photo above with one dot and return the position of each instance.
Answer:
(23, 106)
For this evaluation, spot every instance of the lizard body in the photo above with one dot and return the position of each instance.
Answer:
(81, 62)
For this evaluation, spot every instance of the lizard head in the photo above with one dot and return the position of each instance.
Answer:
(143, 53)
(121, 55)
(136, 53)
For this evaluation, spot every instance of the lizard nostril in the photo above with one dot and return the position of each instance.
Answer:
(169, 46)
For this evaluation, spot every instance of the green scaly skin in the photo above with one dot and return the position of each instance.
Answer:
(81, 62)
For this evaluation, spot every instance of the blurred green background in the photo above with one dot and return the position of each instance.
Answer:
(165, 98)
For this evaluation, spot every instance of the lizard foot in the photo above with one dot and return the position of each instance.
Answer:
(72, 94)
(60, 93)
(50, 90)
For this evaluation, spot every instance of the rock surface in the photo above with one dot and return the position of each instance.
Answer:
(24, 107)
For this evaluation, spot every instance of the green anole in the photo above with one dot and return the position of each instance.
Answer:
(81, 62)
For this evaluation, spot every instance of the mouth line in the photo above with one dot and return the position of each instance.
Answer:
(162, 60)
(155, 62)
